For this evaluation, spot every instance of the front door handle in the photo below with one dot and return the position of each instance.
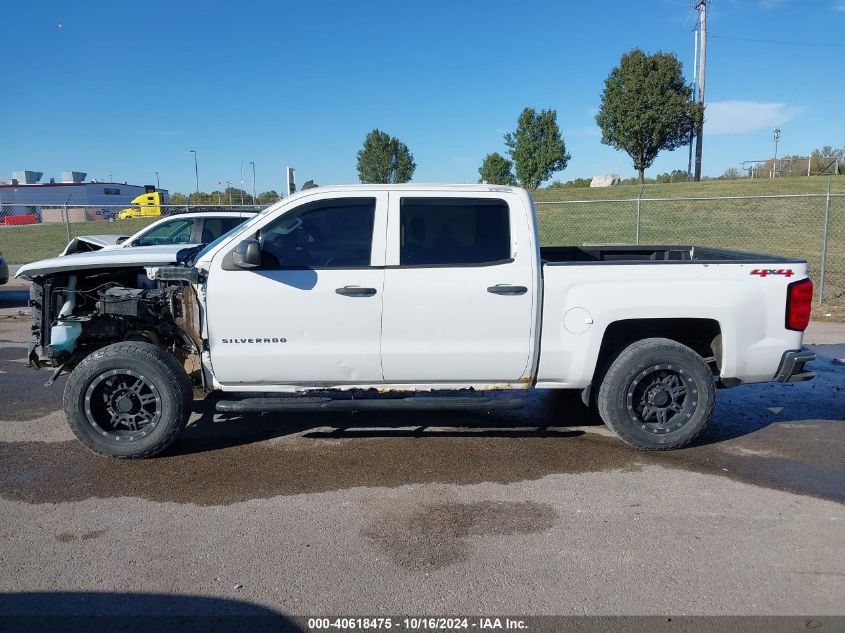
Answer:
(356, 291)
(505, 289)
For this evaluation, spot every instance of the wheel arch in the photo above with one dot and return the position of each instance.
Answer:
(702, 335)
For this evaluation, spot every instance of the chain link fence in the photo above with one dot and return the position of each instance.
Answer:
(810, 226)
(32, 232)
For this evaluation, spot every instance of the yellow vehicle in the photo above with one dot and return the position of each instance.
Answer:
(149, 206)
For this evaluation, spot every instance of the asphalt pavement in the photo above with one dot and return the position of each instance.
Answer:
(537, 511)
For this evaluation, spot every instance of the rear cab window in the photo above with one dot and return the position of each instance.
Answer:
(454, 231)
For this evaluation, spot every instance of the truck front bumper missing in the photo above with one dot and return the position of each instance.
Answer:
(792, 366)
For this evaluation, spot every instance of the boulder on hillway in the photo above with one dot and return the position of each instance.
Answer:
(605, 180)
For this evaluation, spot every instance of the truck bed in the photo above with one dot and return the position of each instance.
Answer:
(577, 255)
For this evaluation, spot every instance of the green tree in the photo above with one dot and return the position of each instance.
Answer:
(385, 159)
(203, 197)
(679, 175)
(236, 194)
(828, 152)
(536, 147)
(496, 170)
(676, 175)
(268, 197)
(571, 184)
(178, 198)
(647, 107)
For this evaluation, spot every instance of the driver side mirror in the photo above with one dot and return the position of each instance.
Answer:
(247, 254)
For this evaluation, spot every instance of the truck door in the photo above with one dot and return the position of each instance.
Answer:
(311, 313)
(459, 289)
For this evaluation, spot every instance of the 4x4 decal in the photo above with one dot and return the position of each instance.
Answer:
(765, 272)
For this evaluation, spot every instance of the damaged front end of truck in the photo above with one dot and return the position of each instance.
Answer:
(79, 309)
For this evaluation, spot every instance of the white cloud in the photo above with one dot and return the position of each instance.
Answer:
(840, 6)
(742, 117)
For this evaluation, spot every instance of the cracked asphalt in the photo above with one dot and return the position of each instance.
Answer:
(537, 511)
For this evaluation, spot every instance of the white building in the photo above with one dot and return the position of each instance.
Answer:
(24, 194)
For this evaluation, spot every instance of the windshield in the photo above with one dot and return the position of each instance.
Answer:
(229, 233)
(176, 231)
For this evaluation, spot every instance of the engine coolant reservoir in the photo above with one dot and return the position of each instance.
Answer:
(63, 336)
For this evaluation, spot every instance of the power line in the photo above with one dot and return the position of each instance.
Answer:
(689, 13)
(790, 43)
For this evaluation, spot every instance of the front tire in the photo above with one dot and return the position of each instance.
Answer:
(128, 400)
(657, 395)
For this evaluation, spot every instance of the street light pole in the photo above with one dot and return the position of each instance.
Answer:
(242, 183)
(254, 197)
(158, 184)
(229, 189)
(196, 171)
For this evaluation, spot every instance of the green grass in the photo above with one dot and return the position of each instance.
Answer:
(31, 242)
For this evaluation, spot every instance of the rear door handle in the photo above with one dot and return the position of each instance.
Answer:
(505, 289)
(355, 291)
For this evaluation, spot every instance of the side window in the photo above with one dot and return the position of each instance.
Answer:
(215, 227)
(444, 231)
(227, 224)
(175, 232)
(328, 233)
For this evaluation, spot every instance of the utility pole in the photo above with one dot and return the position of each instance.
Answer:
(692, 127)
(776, 136)
(254, 197)
(158, 184)
(701, 5)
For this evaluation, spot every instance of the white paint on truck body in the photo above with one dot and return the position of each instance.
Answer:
(329, 339)
(441, 324)
(439, 328)
(749, 310)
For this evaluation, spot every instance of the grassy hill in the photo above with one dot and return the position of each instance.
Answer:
(742, 187)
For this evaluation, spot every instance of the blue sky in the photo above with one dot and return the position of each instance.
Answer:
(127, 88)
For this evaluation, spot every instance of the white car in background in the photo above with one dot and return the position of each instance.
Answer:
(183, 228)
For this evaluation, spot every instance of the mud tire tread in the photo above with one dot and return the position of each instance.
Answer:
(169, 377)
(626, 365)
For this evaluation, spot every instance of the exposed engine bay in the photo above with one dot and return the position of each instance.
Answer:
(74, 314)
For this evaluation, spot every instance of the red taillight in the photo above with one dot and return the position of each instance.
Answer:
(799, 303)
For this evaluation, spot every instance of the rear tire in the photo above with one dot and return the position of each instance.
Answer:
(128, 400)
(657, 395)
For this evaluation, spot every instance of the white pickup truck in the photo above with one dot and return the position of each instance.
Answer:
(410, 297)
